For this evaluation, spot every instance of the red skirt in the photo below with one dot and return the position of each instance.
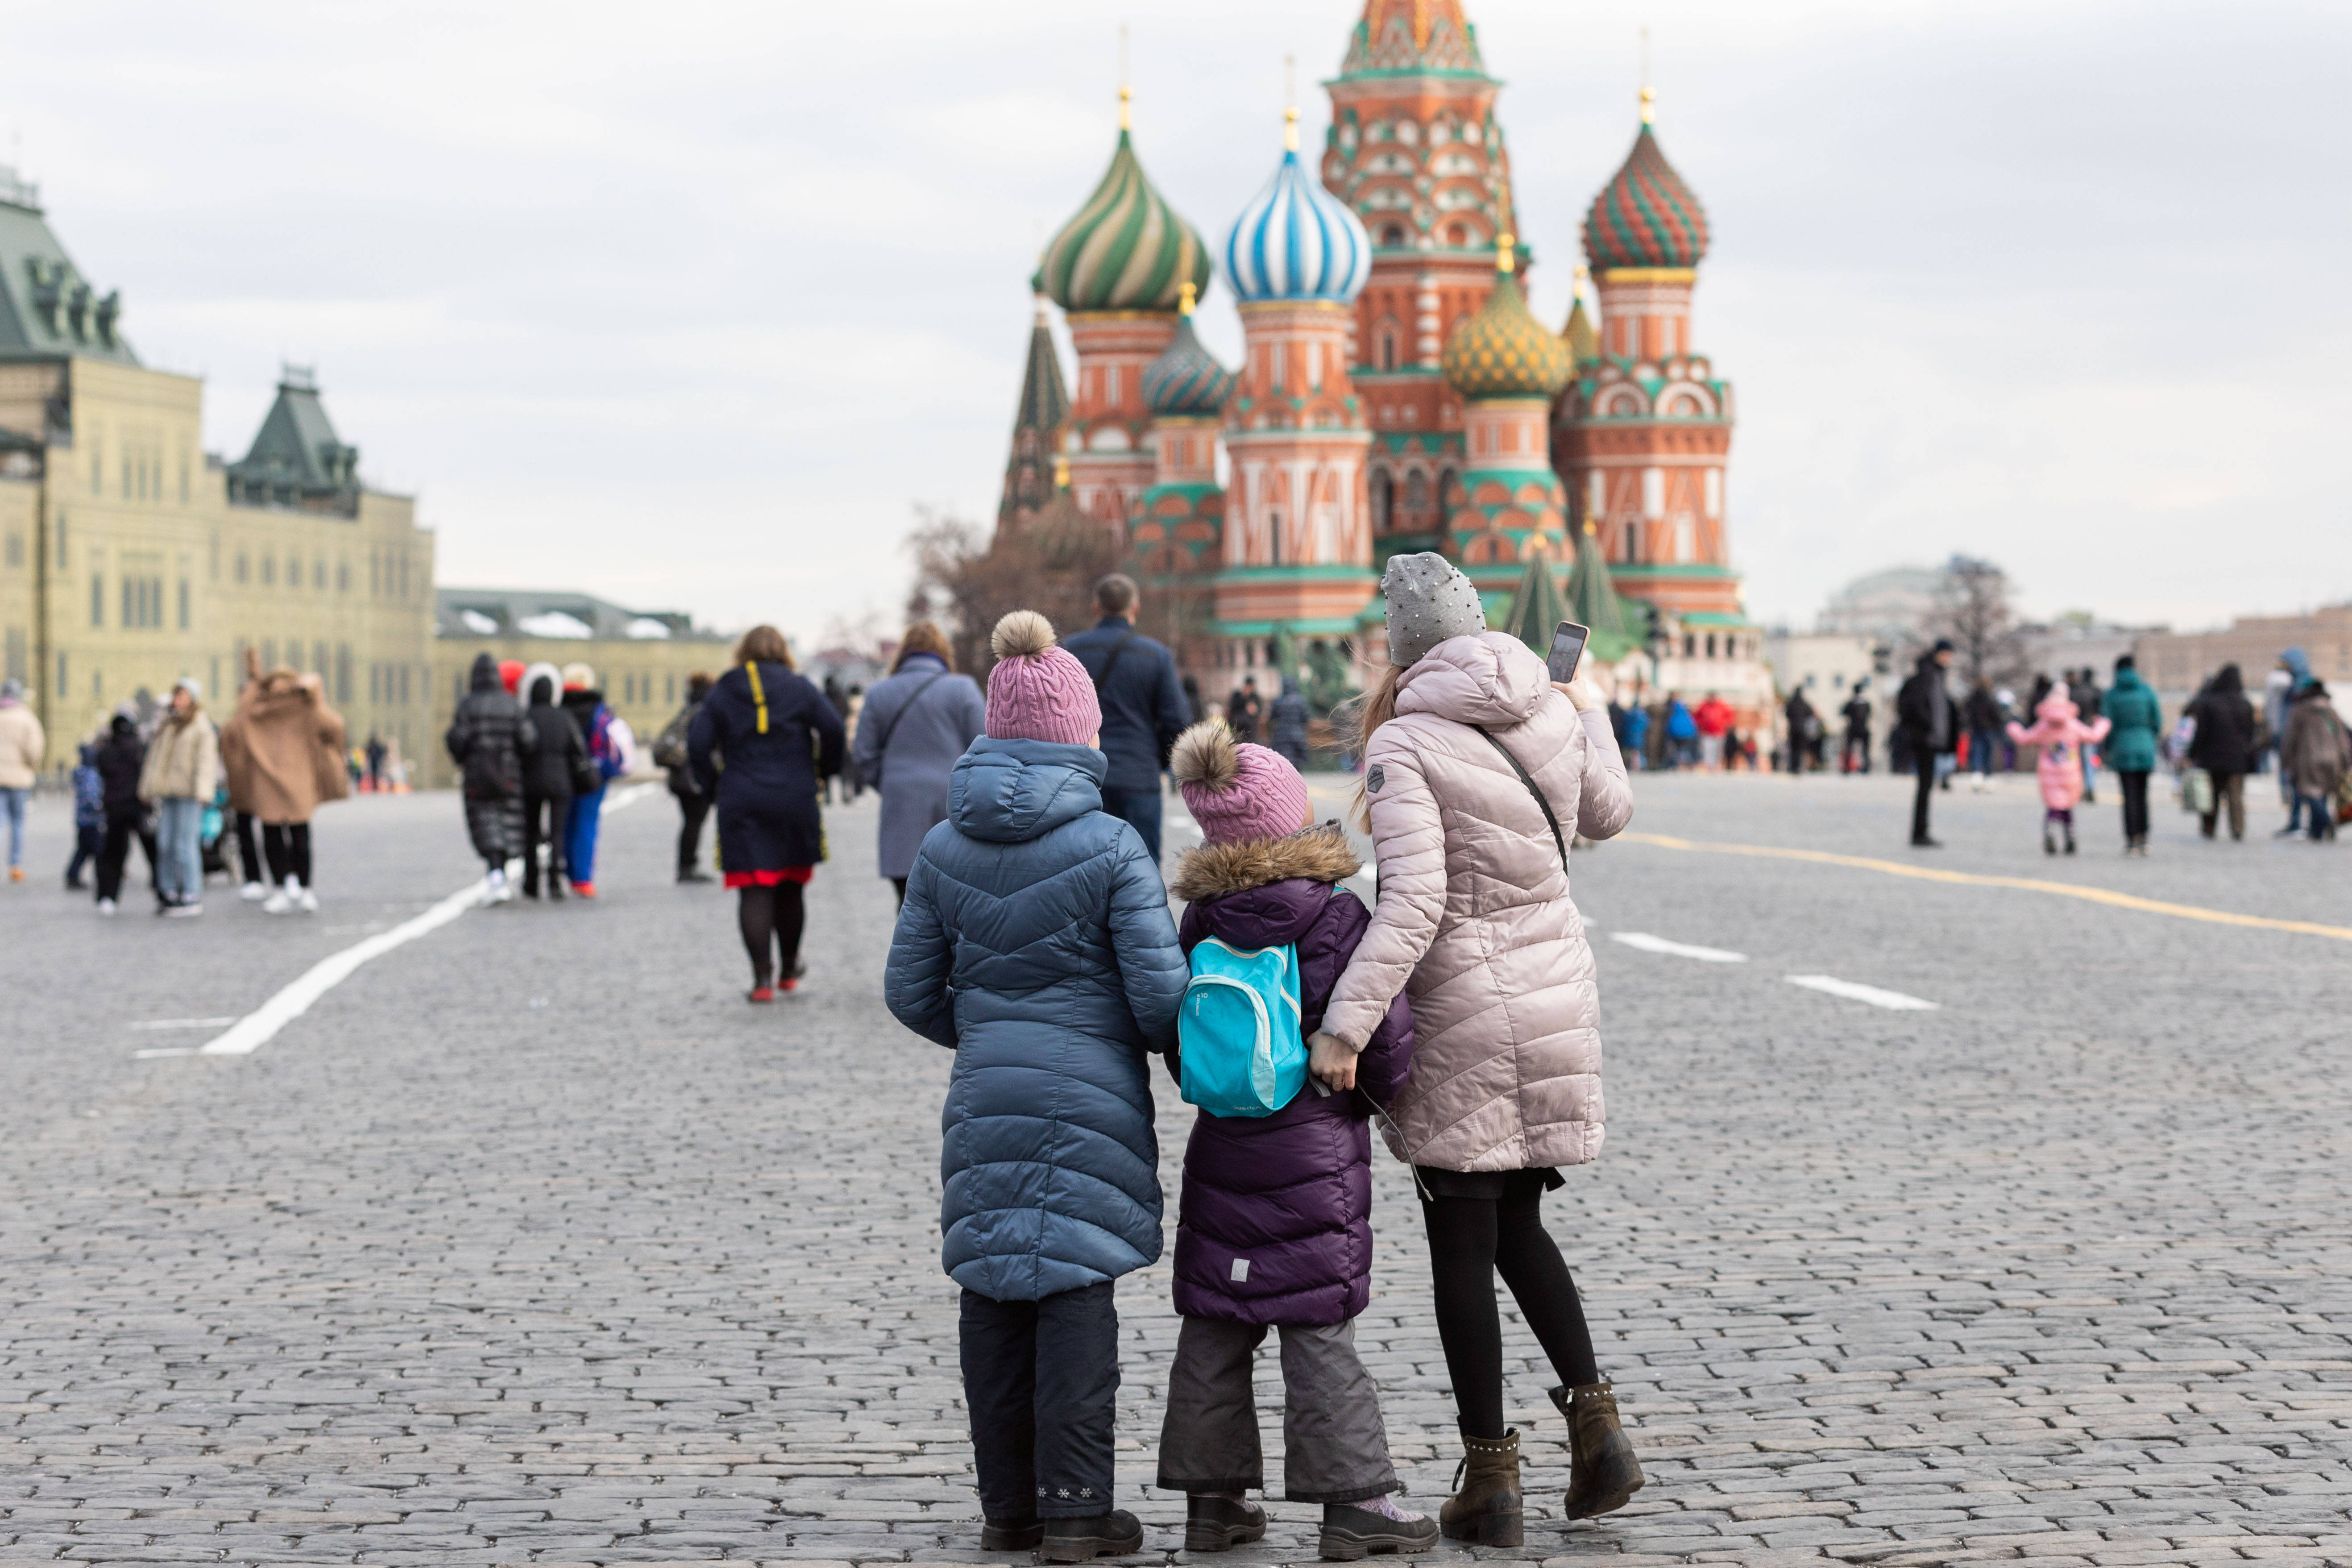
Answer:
(800, 874)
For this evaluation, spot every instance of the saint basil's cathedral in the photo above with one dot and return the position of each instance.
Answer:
(1395, 392)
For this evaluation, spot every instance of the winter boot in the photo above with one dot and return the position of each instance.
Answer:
(1114, 1534)
(1350, 1533)
(2070, 838)
(1214, 1523)
(2049, 844)
(1011, 1534)
(1603, 1472)
(1486, 1508)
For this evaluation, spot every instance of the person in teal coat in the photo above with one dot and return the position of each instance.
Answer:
(2134, 724)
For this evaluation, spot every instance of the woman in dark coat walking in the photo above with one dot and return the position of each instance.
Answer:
(760, 745)
(916, 723)
(484, 741)
(554, 749)
(120, 760)
(2223, 745)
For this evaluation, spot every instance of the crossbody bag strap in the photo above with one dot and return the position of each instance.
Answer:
(882, 746)
(759, 698)
(1550, 820)
(1112, 662)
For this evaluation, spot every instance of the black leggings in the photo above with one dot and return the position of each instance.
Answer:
(772, 916)
(248, 856)
(287, 847)
(1469, 1240)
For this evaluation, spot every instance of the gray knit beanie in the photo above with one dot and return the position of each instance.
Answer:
(1428, 602)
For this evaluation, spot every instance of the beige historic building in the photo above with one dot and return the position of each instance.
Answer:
(130, 557)
(2178, 663)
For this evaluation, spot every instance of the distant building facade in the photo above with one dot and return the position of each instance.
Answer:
(130, 557)
(2178, 663)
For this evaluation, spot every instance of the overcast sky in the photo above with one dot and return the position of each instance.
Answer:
(689, 305)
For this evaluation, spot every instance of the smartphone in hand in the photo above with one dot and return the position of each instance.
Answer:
(1568, 640)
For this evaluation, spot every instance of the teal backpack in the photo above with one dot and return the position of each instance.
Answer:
(1238, 1031)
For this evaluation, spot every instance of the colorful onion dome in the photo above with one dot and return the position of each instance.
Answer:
(1296, 240)
(1126, 249)
(1503, 350)
(1185, 379)
(1646, 215)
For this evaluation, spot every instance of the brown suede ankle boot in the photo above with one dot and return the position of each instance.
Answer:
(1603, 1473)
(1486, 1507)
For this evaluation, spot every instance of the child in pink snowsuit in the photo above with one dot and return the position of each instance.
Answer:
(2059, 731)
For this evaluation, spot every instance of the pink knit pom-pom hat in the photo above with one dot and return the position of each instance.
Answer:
(1234, 790)
(1038, 691)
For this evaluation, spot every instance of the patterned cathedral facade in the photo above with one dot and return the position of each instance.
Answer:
(1395, 393)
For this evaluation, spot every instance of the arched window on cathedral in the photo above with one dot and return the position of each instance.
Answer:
(1416, 495)
(1383, 499)
(1449, 495)
(1393, 236)
(1387, 351)
(1273, 536)
(1458, 236)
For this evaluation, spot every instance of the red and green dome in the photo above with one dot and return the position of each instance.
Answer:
(1646, 215)
(1503, 350)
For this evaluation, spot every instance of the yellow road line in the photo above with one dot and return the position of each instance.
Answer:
(1973, 879)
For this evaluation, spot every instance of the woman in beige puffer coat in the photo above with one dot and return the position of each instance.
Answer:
(1475, 924)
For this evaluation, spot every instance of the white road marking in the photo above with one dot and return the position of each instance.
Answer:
(259, 1027)
(1649, 943)
(180, 1024)
(1852, 992)
(628, 797)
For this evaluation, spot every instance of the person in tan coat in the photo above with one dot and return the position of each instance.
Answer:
(1479, 772)
(21, 745)
(284, 747)
(182, 770)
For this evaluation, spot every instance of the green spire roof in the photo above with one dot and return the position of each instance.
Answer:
(1594, 601)
(1036, 429)
(47, 307)
(1536, 607)
(1126, 249)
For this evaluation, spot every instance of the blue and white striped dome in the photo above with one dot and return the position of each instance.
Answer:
(1297, 241)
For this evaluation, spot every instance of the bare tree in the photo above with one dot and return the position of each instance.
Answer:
(1972, 609)
(968, 581)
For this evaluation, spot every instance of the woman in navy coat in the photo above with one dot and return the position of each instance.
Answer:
(762, 743)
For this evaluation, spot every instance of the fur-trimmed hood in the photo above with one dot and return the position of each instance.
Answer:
(1320, 854)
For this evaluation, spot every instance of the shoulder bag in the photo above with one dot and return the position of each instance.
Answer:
(890, 726)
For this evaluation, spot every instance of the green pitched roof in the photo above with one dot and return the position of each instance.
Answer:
(47, 307)
(1594, 601)
(296, 454)
(1536, 607)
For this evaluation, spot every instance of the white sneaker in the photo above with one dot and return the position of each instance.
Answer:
(183, 911)
(106, 906)
(277, 902)
(252, 892)
(306, 901)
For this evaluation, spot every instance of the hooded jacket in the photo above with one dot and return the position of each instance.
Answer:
(775, 748)
(1924, 712)
(119, 759)
(482, 738)
(550, 736)
(283, 749)
(2224, 741)
(1475, 922)
(2135, 722)
(182, 759)
(2315, 750)
(1287, 1195)
(1035, 943)
(2062, 737)
(923, 716)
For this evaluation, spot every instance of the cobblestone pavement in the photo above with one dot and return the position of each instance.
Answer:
(532, 1243)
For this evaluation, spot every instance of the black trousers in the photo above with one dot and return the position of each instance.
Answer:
(771, 920)
(248, 854)
(1041, 1381)
(1472, 1239)
(115, 849)
(87, 841)
(691, 811)
(287, 847)
(542, 823)
(1924, 762)
(2135, 805)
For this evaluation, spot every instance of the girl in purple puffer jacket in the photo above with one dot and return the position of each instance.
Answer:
(1276, 1227)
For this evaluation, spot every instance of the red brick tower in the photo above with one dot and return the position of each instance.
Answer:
(1415, 150)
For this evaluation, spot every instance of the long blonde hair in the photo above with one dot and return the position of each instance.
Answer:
(1364, 713)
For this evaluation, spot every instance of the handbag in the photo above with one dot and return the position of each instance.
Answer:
(2197, 791)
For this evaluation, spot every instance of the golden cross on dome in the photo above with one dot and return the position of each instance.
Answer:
(1186, 297)
(1126, 93)
(1502, 246)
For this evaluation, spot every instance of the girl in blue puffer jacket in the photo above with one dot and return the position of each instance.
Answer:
(1035, 943)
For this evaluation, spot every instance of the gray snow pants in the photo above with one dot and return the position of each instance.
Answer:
(1335, 1446)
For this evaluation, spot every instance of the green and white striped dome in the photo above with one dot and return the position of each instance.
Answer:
(1126, 250)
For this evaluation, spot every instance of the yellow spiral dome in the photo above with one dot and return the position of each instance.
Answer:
(1503, 350)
